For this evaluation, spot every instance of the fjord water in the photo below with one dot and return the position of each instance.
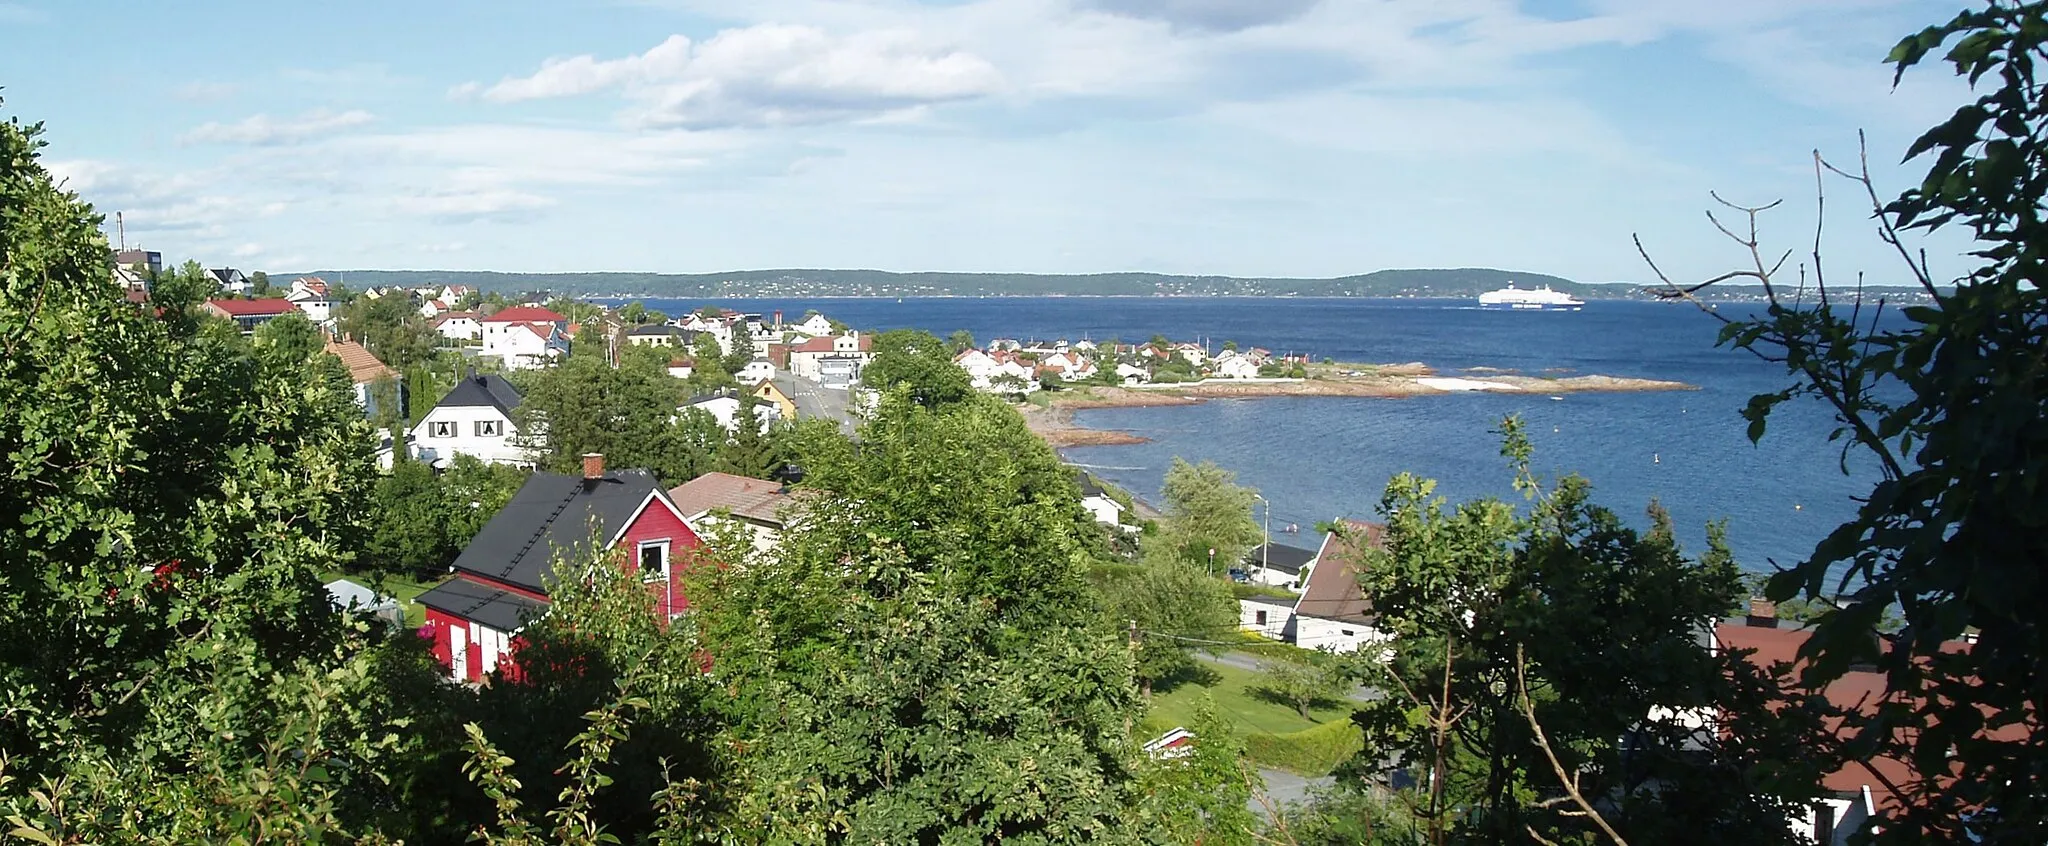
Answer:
(1320, 458)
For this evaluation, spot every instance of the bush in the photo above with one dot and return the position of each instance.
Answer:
(1310, 752)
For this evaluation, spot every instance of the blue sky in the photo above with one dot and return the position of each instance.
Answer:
(1240, 137)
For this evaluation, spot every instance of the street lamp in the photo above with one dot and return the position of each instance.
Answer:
(1266, 549)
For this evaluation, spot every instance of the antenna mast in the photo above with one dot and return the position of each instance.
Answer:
(122, 226)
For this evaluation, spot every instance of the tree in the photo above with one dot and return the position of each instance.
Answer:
(633, 313)
(1485, 602)
(391, 329)
(960, 341)
(410, 518)
(1302, 682)
(749, 452)
(1943, 400)
(259, 285)
(290, 338)
(925, 663)
(628, 413)
(1176, 605)
(709, 374)
(742, 352)
(918, 362)
(1208, 515)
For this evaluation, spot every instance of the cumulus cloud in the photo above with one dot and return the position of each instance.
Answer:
(265, 131)
(766, 75)
(1223, 15)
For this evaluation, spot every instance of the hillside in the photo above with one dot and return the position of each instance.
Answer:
(1457, 282)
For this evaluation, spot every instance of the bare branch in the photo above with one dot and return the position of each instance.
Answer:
(1569, 782)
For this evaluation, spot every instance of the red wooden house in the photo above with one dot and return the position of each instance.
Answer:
(502, 577)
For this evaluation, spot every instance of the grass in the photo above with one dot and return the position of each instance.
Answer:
(1275, 735)
(404, 588)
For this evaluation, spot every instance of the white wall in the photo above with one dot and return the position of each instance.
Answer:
(516, 345)
(1318, 633)
(437, 450)
(1105, 509)
(461, 329)
(1275, 625)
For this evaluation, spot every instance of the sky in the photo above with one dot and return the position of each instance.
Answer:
(1302, 138)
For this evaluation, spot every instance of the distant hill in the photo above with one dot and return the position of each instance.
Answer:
(1458, 282)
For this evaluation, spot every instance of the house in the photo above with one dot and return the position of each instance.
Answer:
(997, 371)
(150, 261)
(231, 281)
(525, 336)
(1278, 564)
(1332, 613)
(503, 576)
(358, 599)
(1131, 374)
(681, 368)
(770, 393)
(805, 358)
(131, 280)
(1267, 616)
(249, 314)
(474, 419)
(432, 308)
(459, 326)
(365, 371)
(310, 294)
(840, 371)
(763, 507)
(1230, 365)
(662, 335)
(1106, 511)
(1068, 365)
(757, 371)
(1175, 744)
(725, 408)
(1192, 352)
(814, 325)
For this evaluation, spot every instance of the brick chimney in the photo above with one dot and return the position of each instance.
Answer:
(593, 466)
(1763, 613)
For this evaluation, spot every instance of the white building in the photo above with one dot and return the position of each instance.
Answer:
(997, 371)
(814, 325)
(805, 358)
(1131, 374)
(1278, 565)
(231, 281)
(1230, 365)
(1097, 502)
(310, 294)
(474, 419)
(1332, 613)
(459, 326)
(1266, 616)
(757, 371)
(725, 408)
(525, 337)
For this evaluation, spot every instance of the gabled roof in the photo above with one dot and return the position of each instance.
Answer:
(753, 499)
(1332, 591)
(555, 515)
(483, 389)
(1087, 485)
(492, 606)
(254, 308)
(1280, 558)
(452, 315)
(312, 283)
(363, 367)
(824, 344)
(523, 314)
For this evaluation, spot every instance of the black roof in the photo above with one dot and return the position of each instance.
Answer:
(1285, 559)
(1088, 486)
(553, 515)
(483, 389)
(472, 600)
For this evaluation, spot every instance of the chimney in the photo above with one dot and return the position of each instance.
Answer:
(778, 318)
(1763, 613)
(593, 466)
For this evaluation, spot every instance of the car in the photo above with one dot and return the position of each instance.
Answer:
(1237, 574)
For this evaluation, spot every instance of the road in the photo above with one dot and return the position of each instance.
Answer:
(1284, 788)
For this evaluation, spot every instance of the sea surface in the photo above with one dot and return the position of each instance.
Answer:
(1318, 458)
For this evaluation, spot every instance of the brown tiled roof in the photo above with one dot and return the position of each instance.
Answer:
(752, 499)
(362, 366)
(1332, 592)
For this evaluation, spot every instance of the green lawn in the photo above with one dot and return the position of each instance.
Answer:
(1231, 691)
(405, 589)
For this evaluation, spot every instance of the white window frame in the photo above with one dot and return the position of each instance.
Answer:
(441, 429)
(640, 559)
(497, 428)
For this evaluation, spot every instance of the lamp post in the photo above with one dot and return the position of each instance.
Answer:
(1266, 549)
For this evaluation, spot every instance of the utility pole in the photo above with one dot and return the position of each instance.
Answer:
(1266, 549)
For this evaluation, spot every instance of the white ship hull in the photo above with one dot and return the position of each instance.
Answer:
(1533, 306)
(1512, 298)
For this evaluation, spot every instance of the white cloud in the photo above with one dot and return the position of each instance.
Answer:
(201, 91)
(471, 205)
(1208, 14)
(766, 75)
(263, 130)
(444, 247)
(246, 250)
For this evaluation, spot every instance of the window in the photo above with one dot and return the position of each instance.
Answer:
(654, 560)
(490, 428)
(1347, 632)
(441, 429)
(1258, 618)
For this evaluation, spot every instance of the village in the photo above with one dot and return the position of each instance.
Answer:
(1305, 597)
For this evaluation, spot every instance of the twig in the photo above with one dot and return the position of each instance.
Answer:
(1570, 783)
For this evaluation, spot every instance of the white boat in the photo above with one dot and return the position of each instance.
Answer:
(1530, 299)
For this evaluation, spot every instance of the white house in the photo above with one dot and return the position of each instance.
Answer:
(1131, 374)
(1098, 504)
(432, 308)
(814, 325)
(986, 371)
(805, 358)
(1070, 366)
(1192, 352)
(231, 281)
(1278, 565)
(1267, 616)
(1332, 613)
(459, 326)
(309, 293)
(525, 336)
(474, 419)
(757, 371)
(725, 408)
(1230, 365)
(764, 508)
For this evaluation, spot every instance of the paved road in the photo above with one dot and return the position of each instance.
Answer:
(1254, 664)
(1283, 788)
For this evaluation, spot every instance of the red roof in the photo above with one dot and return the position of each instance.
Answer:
(252, 308)
(524, 314)
(823, 344)
(452, 315)
(312, 283)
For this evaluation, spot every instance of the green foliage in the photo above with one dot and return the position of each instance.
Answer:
(742, 351)
(391, 328)
(1303, 684)
(1175, 604)
(918, 363)
(924, 663)
(1311, 751)
(259, 285)
(1349, 815)
(960, 341)
(1200, 798)
(288, 340)
(1477, 596)
(627, 413)
(1207, 510)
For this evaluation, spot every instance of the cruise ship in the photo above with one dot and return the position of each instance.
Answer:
(1530, 299)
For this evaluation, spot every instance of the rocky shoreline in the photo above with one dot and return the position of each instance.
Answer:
(1054, 422)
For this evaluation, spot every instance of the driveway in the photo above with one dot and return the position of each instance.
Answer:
(1284, 788)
